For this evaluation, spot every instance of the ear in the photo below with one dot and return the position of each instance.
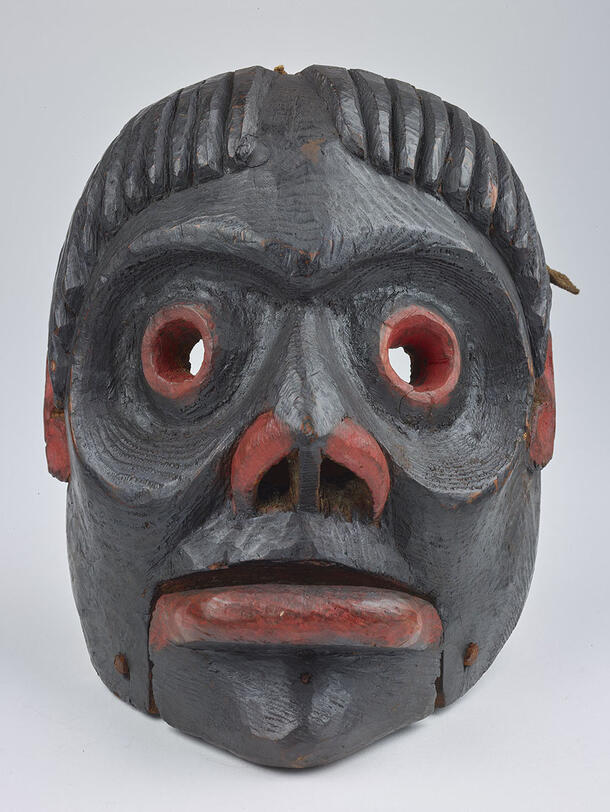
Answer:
(58, 457)
(542, 425)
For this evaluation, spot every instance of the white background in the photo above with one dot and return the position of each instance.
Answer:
(533, 734)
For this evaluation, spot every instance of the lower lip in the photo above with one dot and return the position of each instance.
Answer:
(296, 614)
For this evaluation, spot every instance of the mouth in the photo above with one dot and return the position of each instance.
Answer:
(296, 604)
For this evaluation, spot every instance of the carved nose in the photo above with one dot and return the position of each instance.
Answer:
(272, 466)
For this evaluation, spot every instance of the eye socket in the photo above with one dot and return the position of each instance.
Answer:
(169, 350)
(433, 351)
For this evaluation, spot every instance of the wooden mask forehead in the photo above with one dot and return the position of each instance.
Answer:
(245, 120)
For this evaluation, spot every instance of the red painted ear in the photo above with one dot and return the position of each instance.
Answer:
(58, 458)
(542, 429)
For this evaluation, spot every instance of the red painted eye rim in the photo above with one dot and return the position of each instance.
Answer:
(169, 336)
(429, 335)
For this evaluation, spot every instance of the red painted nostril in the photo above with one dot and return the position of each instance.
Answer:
(265, 444)
(354, 448)
(270, 470)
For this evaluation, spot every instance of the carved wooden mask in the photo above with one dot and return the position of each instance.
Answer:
(291, 548)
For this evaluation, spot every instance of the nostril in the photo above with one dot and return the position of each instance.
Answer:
(265, 445)
(279, 487)
(353, 449)
(342, 491)
(271, 471)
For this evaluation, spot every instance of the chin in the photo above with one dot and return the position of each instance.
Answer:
(292, 706)
(292, 665)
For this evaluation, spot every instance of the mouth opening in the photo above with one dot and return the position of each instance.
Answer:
(311, 572)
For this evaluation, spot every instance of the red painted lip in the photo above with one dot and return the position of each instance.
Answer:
(296, 614)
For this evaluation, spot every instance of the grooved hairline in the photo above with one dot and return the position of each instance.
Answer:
(137, 169)
(482, 202)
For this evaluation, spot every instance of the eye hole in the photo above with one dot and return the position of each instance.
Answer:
(197, 357)
(420, 355)
(177, 350)
(400, 361)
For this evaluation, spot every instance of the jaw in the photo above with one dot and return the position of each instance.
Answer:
(288, 706)
(498, 533)
(302, 694)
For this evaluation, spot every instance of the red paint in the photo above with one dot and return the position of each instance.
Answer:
(434, 351)
(542, 427)
(296, 614)
(264, 443)
(58, 457)
(169, 337)
(353, 447)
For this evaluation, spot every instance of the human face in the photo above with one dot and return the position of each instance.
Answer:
(241, 536)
